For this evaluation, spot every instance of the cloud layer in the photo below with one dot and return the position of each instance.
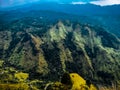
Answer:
(106, 2)
(99, 2)
(5, 3)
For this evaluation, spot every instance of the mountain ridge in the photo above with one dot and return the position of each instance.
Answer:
(70, 8)
(106, 17)
(63, 47)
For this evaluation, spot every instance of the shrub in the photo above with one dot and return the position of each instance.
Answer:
(21, 77)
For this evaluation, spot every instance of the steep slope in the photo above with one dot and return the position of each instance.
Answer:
(52, 49)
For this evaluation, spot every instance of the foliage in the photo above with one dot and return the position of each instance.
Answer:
(21, 77)
(1, 63)
(54, 86)
(21, 86)
(70, 81)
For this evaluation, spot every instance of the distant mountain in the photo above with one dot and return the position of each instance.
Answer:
(106, 16)
(83, 9)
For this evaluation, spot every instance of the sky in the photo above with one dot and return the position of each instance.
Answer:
(7, 3)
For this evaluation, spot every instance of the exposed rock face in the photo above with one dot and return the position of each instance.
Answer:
(53, 49)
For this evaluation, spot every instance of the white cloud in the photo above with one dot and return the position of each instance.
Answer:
(105, 2)
(78, 3)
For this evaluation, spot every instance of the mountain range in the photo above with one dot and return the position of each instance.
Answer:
(104, 16)
(49, 41)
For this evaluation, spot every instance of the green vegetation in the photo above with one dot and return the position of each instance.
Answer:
(21, 77)
(1, 63)
(44, 52)
(21, 86)
(70, 81)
